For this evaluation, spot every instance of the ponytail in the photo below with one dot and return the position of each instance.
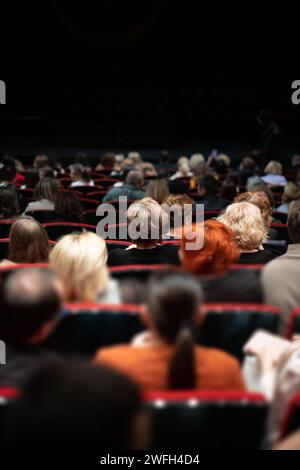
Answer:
(182, 368)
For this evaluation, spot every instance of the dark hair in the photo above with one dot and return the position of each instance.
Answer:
(82, 172)
(210, 184)
(228, 190)
(108, 160)
(294, 222)
(28, 300)
(74, 404)
(9, 203)
(173, 303)
(7, 173)
(47, 188)
(81, 159)
(28, 242)
(164, 156)
(8, 161)
(68, 205)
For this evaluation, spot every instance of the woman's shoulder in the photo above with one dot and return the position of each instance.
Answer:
(214, 357)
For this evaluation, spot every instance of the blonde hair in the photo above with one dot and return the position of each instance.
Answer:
(261, 200)
(273, 168)
(225, 159)
(246, 222)
(195, 159)
(150, 217)
(80, 260)
(291, 192)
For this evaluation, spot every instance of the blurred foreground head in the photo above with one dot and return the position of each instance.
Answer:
(80, 405)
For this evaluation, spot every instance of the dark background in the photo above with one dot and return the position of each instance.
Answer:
(146, 74)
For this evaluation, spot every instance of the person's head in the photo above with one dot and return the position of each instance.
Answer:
(29, 242)
(135, 157)
(31, 178)
(146, 219)
(9, 203)
(164, 156)
(183, 165)
(248, 163)
(79, 173)
(46, 172)
(135, 179)
(195, 159)
(179, 208)
(74, 404)
(264, 117)
(261, 200)
(222, 157)
(108, 160)
(246, 223)
(47, 188)
(68, 205)
(157, 189)
(219, 250)
(41, 161)
(202, 170)
(172, 309)
(8, 161)
(294, 222)
(208, 186)
(148, 169)
(256, 185)
(291, 192)
(229, 189)
(296, 160)
(80, 261)
(7, 174)
(30, 303)
(273, 168)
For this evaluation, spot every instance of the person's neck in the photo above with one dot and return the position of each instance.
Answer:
(147, 246)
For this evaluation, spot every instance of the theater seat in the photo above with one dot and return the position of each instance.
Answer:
(5, 227)
(7, 396)
(282, 230)
(139, 272)
(228, 326)
(291, 420)
(89, 204)
(86, 327)
(56, 230)
(207, 420)
(42, 216)
(293, 326)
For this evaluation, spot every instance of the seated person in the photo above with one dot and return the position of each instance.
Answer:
(157, 189)
(80, 176)
(146, 221)
(29, 242)
(80, 261)
(179, 209)
(67, 404)
(183, 169)
(291, 193)
(273, 174)
(68, 208)
(166, 357)
(208, 191)
(30, 303)
(132, 189)
(46, 194)
(249, 232)
(9, 204)
(211, 265)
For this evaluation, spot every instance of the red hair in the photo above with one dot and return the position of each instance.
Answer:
(219, 250)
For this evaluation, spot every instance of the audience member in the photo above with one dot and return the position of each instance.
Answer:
(9, 204)
(132, 188)
(68, 208)
(157, 189)
(80, 176)
(46, 194)
(165, 356)
(273, 172)
(291, 193)
(209, 194)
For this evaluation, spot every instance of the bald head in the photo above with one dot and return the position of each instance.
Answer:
(29, 298)
(135, 178)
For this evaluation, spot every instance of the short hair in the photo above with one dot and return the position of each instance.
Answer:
(261, 200)
(81, 171)
(108, 160)
(41, 161)
(68, 205)
(135, 178)
(80, 260)
(28, 300)
(178, 201)
(294, 223)
(149, 218)
(210, 184)
(29, 242)
(246, 223)
(135, 157)
(9, 203)
(7, 174)
(75, 404)
(291, 192)
(157, 189)
(195, 159)
(219, 250)
(248, 163)
(47, 188)
(164, 156)
(273, 167)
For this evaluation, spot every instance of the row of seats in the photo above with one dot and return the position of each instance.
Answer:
(202, 420)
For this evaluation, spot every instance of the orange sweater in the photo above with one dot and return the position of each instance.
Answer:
(148, 366)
